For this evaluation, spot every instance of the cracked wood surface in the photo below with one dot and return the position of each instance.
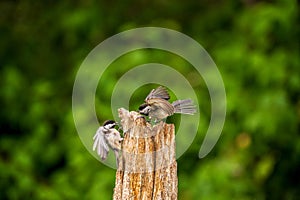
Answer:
(147, 168)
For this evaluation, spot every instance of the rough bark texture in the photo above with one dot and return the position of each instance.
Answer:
(147, 168)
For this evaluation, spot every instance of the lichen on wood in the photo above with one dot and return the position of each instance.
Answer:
(147, 167)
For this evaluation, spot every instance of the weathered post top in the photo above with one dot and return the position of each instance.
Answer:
(147, 167)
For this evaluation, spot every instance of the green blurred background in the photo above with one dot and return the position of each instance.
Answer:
(255, 44)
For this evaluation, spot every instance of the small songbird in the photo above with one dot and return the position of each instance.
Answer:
(107, 137)
(158, 107)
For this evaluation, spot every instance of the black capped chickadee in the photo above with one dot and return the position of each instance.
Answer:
(158, 107)
(107, 137)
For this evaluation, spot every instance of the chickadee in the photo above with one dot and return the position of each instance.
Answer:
(107, 137)
(157, 106)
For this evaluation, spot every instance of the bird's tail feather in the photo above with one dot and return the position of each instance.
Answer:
(185, 106)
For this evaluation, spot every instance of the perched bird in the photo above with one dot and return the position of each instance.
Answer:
(107, 137)
(158, 107)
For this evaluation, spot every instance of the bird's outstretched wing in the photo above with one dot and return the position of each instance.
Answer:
(160, 93)
(100, 144)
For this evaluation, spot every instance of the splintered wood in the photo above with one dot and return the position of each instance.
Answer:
(147, 168)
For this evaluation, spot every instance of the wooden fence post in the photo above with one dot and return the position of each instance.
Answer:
(147, 167)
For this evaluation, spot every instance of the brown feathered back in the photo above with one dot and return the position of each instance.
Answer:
(161, 104)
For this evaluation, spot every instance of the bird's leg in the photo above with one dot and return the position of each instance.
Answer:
(153, 121)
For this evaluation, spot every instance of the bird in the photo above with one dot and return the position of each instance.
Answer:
(157, 106)
(107, 137)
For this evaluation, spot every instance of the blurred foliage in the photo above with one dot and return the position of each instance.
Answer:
(254, 43)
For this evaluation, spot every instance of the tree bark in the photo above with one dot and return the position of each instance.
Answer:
(147, 165)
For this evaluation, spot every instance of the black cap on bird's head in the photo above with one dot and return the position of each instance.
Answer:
(110, 122)
(144, 105)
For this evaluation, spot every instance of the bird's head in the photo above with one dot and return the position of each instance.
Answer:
(144, 109)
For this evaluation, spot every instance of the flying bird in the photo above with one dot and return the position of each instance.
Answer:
(107, 137)
(157, 106)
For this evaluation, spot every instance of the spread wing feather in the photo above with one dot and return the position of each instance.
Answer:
(159, 92)
(100, 144)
